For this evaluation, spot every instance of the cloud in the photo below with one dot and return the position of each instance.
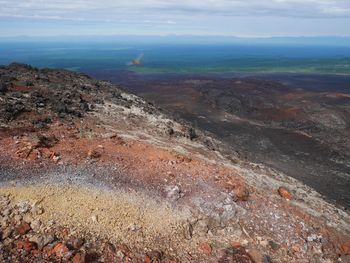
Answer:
(171, 10)
(202, 17)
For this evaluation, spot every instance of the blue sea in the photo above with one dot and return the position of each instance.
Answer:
(180, 56)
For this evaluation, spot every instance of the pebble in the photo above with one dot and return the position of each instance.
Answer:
(173, 193)
(60, 250)
(17, 218)
(35, 225)
(28, 218)
(273, 245)
(187, 230)
(6, 233)
(241, 193)
(133, 227)
(37, 210)
(120, 255)
(24, 207)
(313, 238)
(205, 248)
(345, 249)
(26, 245)
(4, 221)
(200, 228)
(245, 242)
(79, 258)
(264, 243)
(93, 154)
(6, 212)
(296, 248)
(284, 192)
(23, 228)
(51, 222)
(255, 255)
(44, 240)
(76, 243)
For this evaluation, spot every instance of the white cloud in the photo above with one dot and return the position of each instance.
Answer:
(170, 10)
(202, 17)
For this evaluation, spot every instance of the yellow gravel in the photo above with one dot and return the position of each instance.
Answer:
(129, 217)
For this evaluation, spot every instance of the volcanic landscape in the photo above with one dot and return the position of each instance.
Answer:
(230, 169)
(298, 124)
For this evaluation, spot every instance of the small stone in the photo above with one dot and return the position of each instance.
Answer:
(51, 222)
(133, 227)
(313, 238)
(200, 228)
(235, 244)
(76, 243)
(56, 158)
(47, 141)
(64, 232)
(124, 248)
(18, 218)
(257, 257)
(4, 222)
(205, 248)
(344, 258)
(245, 242)
(79, 258)
(284, 192)
(109, 253)
(28, 218)
(26, 245)
(94, 218)
(44, 240)
(60, 250)
(147, 259)
(264, 243)
(35, 225)
(345, 249)
(273, 245)
(240, 193)
(120, 255)
(296, 248)
(6, 212)
(46, 153)
(94, 154)
(187, 230)
(37, 210)
(23, 207)
(6, 233)
(155, 256)
(173, 193)
(23, 228)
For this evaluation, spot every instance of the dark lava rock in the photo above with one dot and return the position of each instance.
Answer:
(46, 141)
(11, 108)
(3, 87)
(55, 93)
(192, 133)
(42, 122)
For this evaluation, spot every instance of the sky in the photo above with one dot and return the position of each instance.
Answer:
(241, 18)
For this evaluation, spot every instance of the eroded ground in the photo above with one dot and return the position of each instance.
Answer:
(110, 178)
(300, 127)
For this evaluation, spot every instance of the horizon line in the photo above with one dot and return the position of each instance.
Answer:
(176, 35)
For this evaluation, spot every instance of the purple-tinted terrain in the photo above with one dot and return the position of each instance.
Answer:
(299, 124)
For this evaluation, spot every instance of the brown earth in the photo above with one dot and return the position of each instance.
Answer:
(138, 186)
(299, 124)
